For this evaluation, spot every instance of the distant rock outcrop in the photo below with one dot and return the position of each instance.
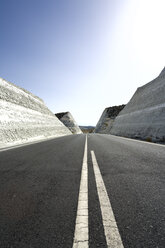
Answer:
(24, 117)
(107, 118)
(67, 119)
(144, 115)
(87, 129)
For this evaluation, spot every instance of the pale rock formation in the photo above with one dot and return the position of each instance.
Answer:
(107, 118)
(144, 115)
(67, 119)
(24, 117)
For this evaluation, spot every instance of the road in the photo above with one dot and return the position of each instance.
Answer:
(58, 193)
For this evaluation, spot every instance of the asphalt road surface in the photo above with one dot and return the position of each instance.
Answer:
(83, 191)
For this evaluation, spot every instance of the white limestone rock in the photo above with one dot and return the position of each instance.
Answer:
(24, 117)
(144, 115)
(107, 118)
(67, 119)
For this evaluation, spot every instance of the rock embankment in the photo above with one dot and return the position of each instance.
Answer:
(107, 118)
(144, 115)
(24, 117)
(67, 119)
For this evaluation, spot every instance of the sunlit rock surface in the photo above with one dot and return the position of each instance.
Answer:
(144, 115)
(24, 117)
(107, 118)
(67, 119)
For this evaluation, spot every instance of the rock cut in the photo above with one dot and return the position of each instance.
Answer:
(67, 119)
(144, 115)
(24, 117)
(107, 119)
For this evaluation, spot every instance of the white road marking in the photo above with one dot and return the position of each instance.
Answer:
(140, 141)
(81, 228)
(27, 143)
(112, 235)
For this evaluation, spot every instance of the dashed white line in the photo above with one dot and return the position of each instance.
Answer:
(81, 235)
(112, 235)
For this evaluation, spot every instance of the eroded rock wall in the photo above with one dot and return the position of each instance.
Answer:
(25, 117)
(67, 119)
(107, 118)
(144, 115)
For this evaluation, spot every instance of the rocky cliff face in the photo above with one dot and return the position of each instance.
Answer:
(67, 119)
(24, 117)
(107, 118)
(144, 115)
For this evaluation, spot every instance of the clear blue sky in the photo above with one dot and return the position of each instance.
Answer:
(82, 55)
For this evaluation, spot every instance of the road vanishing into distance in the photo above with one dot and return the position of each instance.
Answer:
(83, 191)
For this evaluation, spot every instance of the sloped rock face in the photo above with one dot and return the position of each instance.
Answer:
(25, 117)
(67, 119)
(144, 115)
(107, 118)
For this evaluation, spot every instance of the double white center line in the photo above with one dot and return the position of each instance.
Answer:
(81, 230)
(81, 236)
